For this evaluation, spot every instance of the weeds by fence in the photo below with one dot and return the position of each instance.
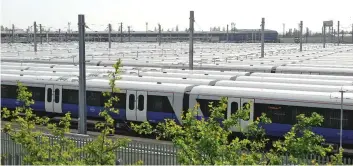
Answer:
(151, 154)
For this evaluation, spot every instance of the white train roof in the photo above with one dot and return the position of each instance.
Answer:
(334, 71)
(207, 56)
(294, 80)
(143, 86)
(26, 64)
(225, 67)
(10, 67)
(193, 81)
(284, 86)
(321, 65)
(39, 73)
(104, 84)
(206, 72)
(28, 77)
(272, 94)
(186, 75)
(306, 76)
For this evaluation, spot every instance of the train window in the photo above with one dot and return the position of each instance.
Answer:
(307, 111)
(38, 94)
(349, 115)
(70, 96)
(141, 103)
(246, 106)
(332, 117)
(259, 109)
(49, 94)
(204, 106)
(93, 98)
(159, 104)
(131, 102)
(185, 104)
(57, 95)
(288, 115)
(234, 108)
(278, 114)
(9, 91)
(121, 102)
(334, 120)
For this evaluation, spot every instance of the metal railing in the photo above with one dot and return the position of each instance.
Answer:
(150, 153)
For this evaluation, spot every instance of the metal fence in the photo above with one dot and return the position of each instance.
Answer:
(149, 153)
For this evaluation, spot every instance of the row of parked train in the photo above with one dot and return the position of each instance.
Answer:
(327, 67)
(153, 95)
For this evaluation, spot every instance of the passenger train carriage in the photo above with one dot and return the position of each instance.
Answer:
(265, 68)
(282, 107)
(60, 97)
(154, 102)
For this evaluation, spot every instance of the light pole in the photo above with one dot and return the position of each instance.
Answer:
(341, 119)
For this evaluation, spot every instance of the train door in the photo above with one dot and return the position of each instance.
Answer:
(233, 107)
(249, 103)
(49, 106)
(57, 99)
(136, 106)
(141, 113)
(131, 105)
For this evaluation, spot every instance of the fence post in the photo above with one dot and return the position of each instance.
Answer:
(3, 160)
(17, 160)
(9, 159)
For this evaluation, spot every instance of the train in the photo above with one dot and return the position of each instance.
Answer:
(260, 68)
(156, 101)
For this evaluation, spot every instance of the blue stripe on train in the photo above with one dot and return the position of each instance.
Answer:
(330, 135)
(13, 103)
(92, 111)
(156, 117)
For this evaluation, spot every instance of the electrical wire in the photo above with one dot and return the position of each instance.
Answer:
(200, 28)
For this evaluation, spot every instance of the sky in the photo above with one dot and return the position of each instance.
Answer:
(246, 14)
